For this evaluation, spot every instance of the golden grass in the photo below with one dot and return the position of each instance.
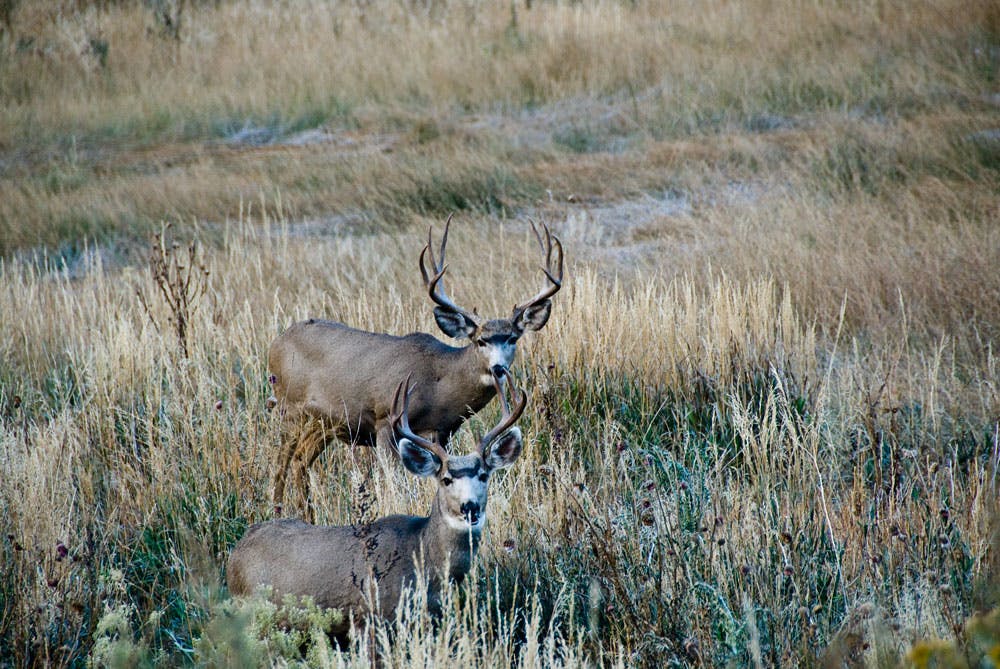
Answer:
(763, 420)
(115, 430)
(284, 57)
(85, 140)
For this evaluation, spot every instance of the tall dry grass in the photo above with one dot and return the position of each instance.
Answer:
(763, 420)
(708, 477)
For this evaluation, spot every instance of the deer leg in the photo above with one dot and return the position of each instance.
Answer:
(386, 438)
(309, 447)
(289, 443)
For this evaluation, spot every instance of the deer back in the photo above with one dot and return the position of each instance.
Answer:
(345, 376)
(338, 566)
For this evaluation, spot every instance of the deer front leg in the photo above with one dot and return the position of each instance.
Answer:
(386, 438)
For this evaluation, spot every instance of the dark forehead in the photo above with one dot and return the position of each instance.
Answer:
(496, 327)
(466, 466)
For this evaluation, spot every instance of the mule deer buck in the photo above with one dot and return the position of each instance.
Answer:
(331, 380)
(339, 566)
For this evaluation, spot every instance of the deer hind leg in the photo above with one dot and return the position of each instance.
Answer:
(311, 443)
(289, 444)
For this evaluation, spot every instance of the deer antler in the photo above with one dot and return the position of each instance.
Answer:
(401, 424)
(551, 246)
(508, 417)
(432, 277)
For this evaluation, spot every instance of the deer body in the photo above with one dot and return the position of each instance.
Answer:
(339, 565)
(331, 380)
(339, 376)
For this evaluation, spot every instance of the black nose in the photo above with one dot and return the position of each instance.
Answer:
(498, 370)
(471, 511)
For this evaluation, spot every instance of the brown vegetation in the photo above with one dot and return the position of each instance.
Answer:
(762, 424)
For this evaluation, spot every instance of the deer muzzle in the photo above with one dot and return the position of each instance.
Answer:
(471, 512)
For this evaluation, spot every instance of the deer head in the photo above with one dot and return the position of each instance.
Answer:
(495, 338)
(463, 480)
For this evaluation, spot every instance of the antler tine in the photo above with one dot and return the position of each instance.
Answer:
(508, 417)
(551, 246)
(438, 266)
(401, 423)
(432, 278)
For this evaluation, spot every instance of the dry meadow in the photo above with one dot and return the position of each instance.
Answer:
(763, 423)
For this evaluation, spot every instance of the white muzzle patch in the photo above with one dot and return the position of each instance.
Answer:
(465, 490)
(498, 354)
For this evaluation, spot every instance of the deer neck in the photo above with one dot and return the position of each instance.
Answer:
(445, 544)
(470, 376)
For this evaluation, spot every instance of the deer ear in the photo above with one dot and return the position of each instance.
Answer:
(505, 450)
(454, 324)
(418, 460)
(535, 316)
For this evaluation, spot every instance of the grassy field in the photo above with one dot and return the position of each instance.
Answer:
(763, 425)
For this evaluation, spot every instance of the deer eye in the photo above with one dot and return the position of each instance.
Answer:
(483, 477)
(446, 481)
(512, 340)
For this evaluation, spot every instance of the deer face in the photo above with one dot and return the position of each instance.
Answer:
(496, 339)
(463, 480)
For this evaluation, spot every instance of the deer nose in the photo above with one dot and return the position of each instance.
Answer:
(498, 370)
(471, 511)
